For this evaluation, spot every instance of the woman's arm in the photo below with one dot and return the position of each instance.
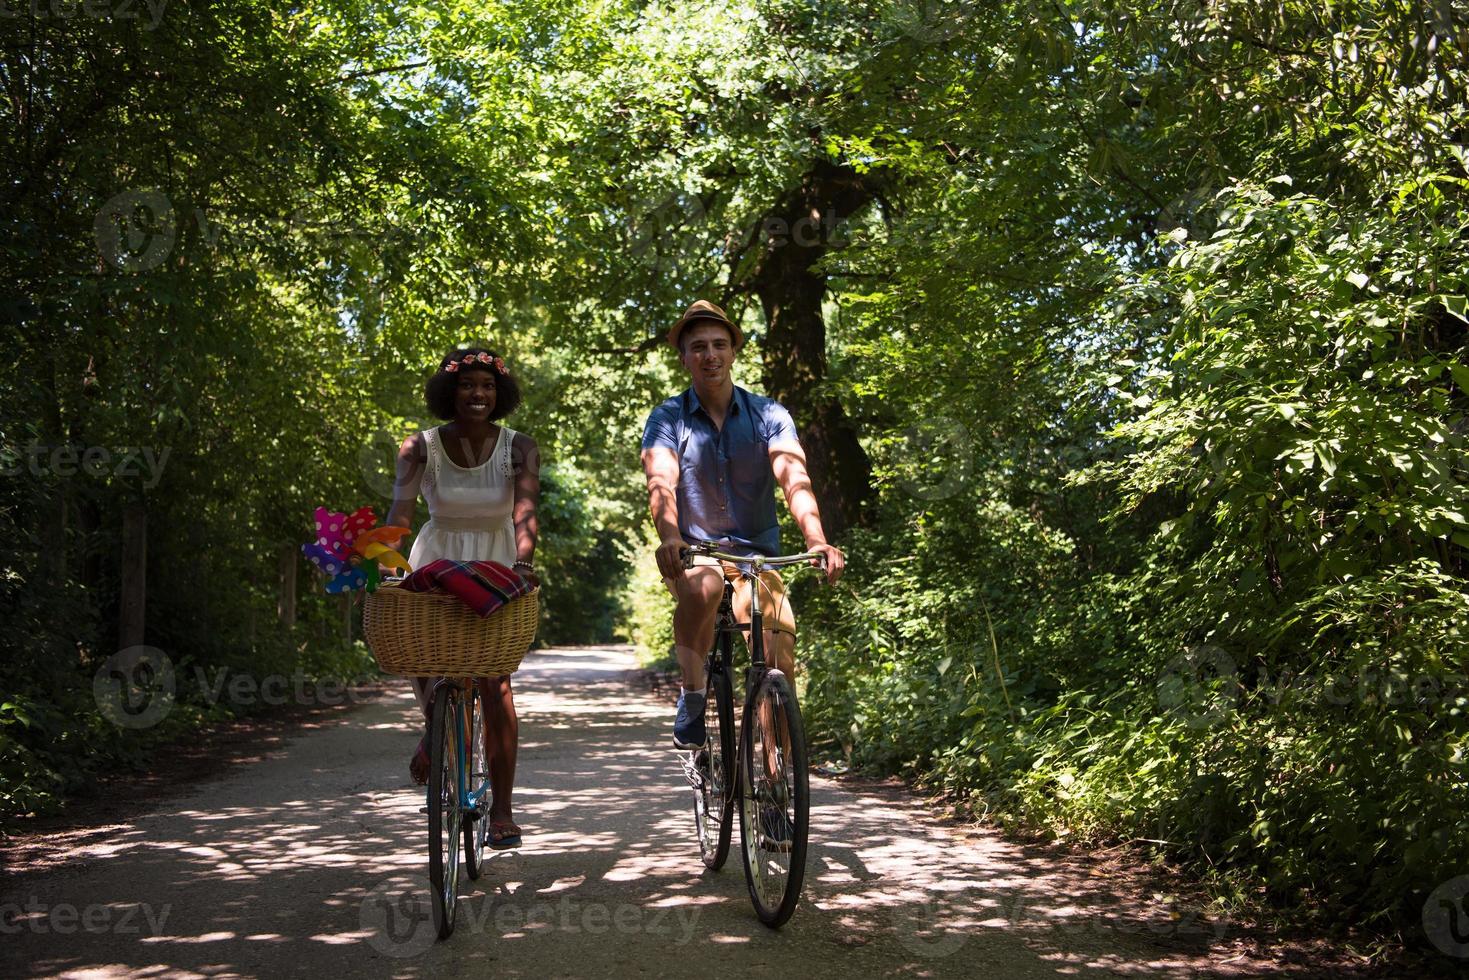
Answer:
(412, 459)
(525, 456)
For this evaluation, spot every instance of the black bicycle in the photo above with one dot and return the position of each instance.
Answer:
(768, 777)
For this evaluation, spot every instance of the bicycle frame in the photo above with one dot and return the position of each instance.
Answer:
(772, 797)
(757, 564)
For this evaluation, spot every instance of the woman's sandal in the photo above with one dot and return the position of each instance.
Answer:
(503, 834)
(418, 765)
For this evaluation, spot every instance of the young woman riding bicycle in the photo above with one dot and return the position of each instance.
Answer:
(481, 481)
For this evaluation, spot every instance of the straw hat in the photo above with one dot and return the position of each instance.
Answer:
(703, 310)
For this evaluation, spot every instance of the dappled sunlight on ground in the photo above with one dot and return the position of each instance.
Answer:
(312, 859)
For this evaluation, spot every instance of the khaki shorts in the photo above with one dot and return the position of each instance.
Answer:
(775, 609)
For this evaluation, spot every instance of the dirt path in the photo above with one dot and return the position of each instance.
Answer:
(298, 863)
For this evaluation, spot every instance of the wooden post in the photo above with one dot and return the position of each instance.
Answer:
(133, 595)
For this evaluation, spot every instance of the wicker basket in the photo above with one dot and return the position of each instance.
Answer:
(434, 634)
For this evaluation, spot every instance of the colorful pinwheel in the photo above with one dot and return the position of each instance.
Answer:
(350, 548)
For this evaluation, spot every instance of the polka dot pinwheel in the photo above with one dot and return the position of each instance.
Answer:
(349, 548)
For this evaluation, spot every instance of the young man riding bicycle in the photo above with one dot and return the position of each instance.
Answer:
(712, 456)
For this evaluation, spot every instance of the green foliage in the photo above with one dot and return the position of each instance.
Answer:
(1208, 487)
(650, 610)
(1151, 318)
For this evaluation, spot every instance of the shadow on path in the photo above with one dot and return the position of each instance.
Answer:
(311, 859)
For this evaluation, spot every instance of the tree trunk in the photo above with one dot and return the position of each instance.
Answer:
(286, 608)
(54, 517)
(133, 593)
(347, 615)
(797, 235)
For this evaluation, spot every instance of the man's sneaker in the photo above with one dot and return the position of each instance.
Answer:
(775, 829)
(688, 726)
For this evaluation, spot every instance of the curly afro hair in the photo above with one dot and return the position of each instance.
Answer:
(438, 393)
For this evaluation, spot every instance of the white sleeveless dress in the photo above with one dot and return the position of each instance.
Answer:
(470, 510)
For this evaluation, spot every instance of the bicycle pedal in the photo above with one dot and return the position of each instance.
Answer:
(692, 772)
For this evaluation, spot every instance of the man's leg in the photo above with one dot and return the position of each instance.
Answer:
(776, 617)
(780, 653)
(780, 648)
(697, 593)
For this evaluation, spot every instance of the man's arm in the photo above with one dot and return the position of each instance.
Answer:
(660, 466)
(788, 461)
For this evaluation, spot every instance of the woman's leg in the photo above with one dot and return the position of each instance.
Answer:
(502, 732)
(418, 766)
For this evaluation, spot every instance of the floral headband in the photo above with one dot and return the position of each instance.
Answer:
(475, 360)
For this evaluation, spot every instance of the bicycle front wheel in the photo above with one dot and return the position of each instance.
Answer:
(444, 813)
(714, 769)
(774, 799)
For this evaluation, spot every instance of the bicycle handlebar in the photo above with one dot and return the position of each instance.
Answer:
(710, 549)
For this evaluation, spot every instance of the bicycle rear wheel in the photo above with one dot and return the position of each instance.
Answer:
(477, 823)
(714, 768)
(774, 797)
(444, 814)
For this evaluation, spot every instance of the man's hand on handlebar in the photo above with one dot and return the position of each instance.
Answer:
(832, 560)
(670, 558)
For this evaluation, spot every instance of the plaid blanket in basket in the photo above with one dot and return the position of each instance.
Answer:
(483, 586)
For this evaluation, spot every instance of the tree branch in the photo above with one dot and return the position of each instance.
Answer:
(380, 71)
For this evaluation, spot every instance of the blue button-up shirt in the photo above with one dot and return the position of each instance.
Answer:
(726, 487)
